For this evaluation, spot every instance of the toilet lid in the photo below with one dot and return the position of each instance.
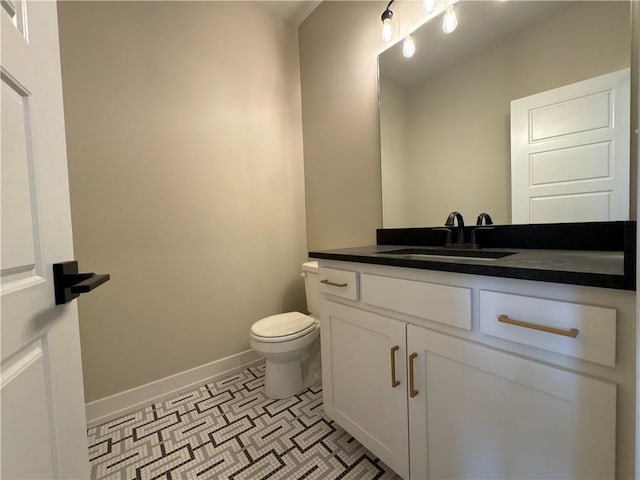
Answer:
(283, 325)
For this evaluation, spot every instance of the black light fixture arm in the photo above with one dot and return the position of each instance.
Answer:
(387, 14)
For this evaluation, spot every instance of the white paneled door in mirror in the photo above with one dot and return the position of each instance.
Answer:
(570, 152)
(43, 419)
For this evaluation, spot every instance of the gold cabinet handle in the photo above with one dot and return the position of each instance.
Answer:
(329, 282)
(412, 391)
(571, 332)
(394, 382)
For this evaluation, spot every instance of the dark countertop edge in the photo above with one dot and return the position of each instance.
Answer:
(618, 282)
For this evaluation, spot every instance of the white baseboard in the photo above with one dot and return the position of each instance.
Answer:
(113, 406)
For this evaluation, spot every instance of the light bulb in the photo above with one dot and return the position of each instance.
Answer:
(408, 47)
(387, 23)
(387, 30)
(450, 21)
(429, 6)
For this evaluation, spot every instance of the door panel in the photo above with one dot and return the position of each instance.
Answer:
(357, 375)
(584, 162)
(18, 254)
(28, 415)
(490, 414)
(584, 207)
(559, 117)
(43, 417)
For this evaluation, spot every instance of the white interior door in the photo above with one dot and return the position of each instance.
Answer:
(43, 416)
(570, 152)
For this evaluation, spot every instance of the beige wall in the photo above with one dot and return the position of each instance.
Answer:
(186, 175)
(394, 158)
(339, 44)
(340, 126)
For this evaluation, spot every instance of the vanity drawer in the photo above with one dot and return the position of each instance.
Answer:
(439, 303)
(517, 318)
(341, 283)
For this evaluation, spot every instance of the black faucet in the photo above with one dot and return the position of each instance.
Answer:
(484, 216)
(450, 223)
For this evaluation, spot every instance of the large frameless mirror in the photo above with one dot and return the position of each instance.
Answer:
(522, 112)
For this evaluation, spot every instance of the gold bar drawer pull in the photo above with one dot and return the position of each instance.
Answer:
(571, 332)
(412, 391)
(329, 282)
(394, 382)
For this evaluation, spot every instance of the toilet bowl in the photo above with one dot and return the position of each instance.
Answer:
(290, 344)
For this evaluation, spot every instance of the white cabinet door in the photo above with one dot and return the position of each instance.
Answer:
(481, 413)
(357, 374)
(570, 152)
(43, 417)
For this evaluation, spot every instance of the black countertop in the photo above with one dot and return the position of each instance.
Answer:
(597, 254)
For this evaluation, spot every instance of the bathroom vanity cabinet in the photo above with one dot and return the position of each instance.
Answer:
(449, 375)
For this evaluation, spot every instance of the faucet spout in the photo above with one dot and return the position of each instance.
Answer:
(484, 217)
(451, 219)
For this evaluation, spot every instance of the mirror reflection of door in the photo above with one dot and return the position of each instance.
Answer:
(570, 152)
(445, 113)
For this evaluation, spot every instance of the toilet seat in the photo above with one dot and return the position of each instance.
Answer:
(283, 327)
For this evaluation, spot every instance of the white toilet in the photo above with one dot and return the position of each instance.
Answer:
(290, 343)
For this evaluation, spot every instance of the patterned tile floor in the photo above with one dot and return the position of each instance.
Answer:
(230, 430)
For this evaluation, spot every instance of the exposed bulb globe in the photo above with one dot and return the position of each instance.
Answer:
(450, 21)
(429, 6)
(408, 47)
(387, 30)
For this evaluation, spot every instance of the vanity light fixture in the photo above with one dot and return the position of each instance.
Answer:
(450, 21)
(408, 47)
(429, 6)
(387, 23)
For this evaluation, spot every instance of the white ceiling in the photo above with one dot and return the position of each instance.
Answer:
(292, 11)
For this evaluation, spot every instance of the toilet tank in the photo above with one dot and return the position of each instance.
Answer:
(312, 286)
